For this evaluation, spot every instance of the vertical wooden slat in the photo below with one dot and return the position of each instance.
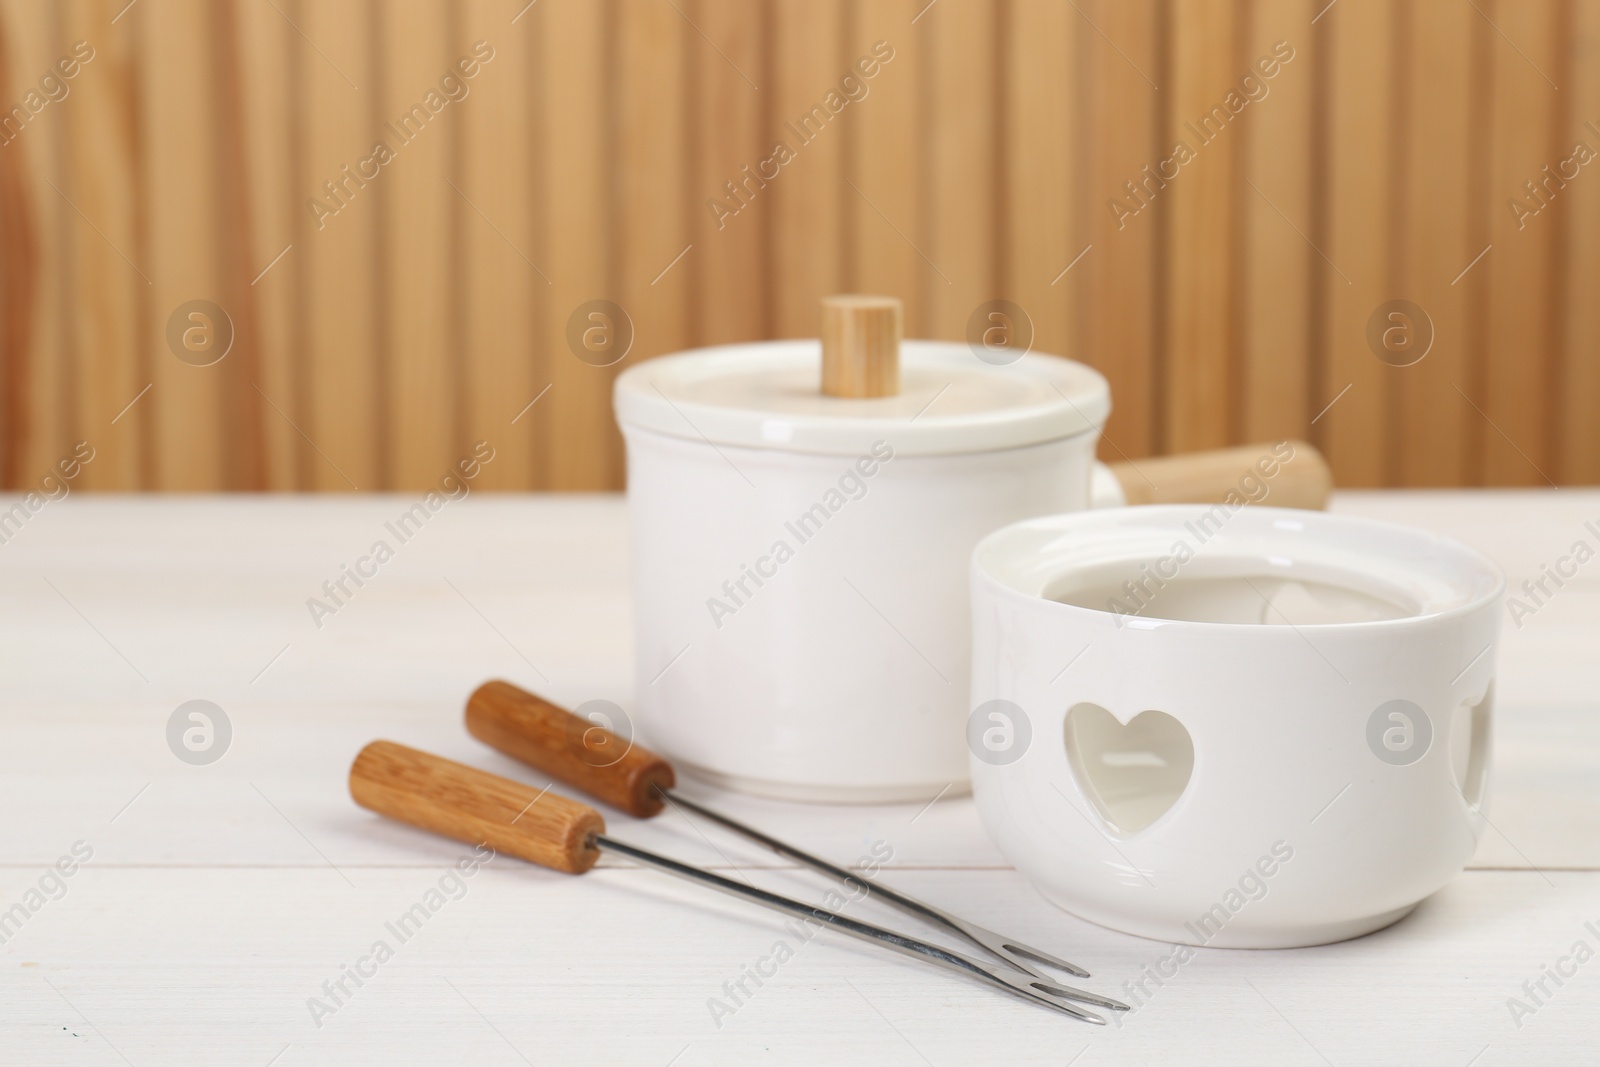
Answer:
(238, 187)
(337, 254)
(1276, 273)
(1427, 416)
(585, 450)
(1579, 368)
(884, 188)
(1114, 285)
(19, 252)
(180, 128)
(807, 194)
(1355, 238)
(418, 210)
(265, 47)
(34, 44)
(727, 71)
(1198, 212)
(1518, 386)
(504, 292)
(1040, 115)
(960, 230)
(537, 431)
(99, 173)
(655, 203)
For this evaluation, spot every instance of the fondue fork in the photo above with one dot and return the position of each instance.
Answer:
(635, 780)
(542, 827)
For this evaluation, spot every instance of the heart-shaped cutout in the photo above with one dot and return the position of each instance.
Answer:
(1133, 773)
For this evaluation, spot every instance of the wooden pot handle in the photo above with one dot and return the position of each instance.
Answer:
(1299, 477)
(529, 728)
(476, 807)
(861, 345)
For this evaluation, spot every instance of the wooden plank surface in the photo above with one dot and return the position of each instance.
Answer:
(728, 64)
(17, 274)
(263, 49)
(1356, 277)
(537, 430)
(657, 204)
(577, 184)
(34, 39)
(181, 124)
(1426, 414)
(1042, 233)
(342, 421)
(808, 193)
(1198, 215)
(1525, 138)
(219, 898)
(502, 296)
(960, 226)
(1120, 53)
(1277, 215)
(240, 190)
(100, 166)
(543, 561)
(1579, 370)
(494, 975)
(418, 214)
(887, 171)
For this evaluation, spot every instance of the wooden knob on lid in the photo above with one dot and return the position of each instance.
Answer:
(860, 345)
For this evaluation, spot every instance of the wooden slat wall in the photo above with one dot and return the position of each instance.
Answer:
(264, 193)
(1040, 231)
(961, 231)
(1278, 266)
(1357, 237)
(44, 224)
(1578, 371)
(501, 293)
(1122, 50)
(658, 214)
(1526, 123)
(888, 170)
(1198, 212)
(807, 261)
(1005, 141)
(1436, 225)
(334, 263)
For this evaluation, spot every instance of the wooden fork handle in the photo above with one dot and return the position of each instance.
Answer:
(582, 754)
(476, 807)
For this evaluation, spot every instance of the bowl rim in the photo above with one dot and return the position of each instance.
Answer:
(1471, 565)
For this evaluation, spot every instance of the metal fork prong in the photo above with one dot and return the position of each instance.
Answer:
(1022, 986)
(1074, 993)
(1011, 948)
(1006, 951)
(1063, 1008)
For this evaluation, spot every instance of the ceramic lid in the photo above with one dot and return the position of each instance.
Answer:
(768, 395)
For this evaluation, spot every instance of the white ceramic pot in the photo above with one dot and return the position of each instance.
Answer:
(799, 560)
(1248, 727)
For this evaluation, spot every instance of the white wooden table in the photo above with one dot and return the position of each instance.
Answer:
(220, 898)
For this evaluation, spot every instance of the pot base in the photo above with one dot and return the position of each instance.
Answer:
(812, 793)
(1232, 936)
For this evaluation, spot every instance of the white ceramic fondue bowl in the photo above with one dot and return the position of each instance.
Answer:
(799, 560)
(1243, 727)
